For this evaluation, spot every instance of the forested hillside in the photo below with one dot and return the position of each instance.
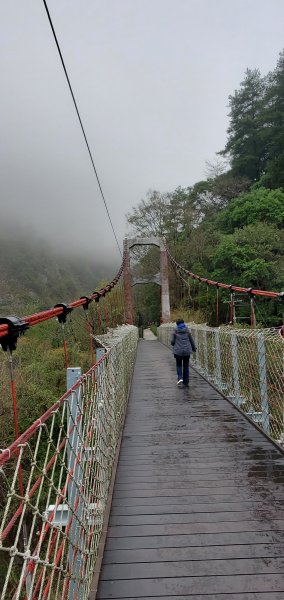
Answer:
(33, 274)
(229, 227)
(33, 277)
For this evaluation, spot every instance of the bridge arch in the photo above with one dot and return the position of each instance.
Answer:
(161, 278)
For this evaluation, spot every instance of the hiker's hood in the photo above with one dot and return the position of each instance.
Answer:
(181, 328)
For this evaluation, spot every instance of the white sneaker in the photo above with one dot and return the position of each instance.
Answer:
(180, 382)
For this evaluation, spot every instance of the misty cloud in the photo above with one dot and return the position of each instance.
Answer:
(151, 79)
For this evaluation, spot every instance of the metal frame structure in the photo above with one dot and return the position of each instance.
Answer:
(160, 278)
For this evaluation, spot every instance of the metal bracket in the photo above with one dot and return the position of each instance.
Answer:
(101, 294)
(16, 327)
(66, 310)
(88, 301)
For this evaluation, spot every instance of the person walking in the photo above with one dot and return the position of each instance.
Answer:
(183, 345)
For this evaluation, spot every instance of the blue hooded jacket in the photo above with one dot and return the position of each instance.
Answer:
(182, 341)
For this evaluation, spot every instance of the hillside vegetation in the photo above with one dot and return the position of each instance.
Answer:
(229, 226)
(32, 273)
(34, 277)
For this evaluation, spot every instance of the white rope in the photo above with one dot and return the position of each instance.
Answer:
(67, 467)
(247, 365)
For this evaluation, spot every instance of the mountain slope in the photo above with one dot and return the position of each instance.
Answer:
(33, 274)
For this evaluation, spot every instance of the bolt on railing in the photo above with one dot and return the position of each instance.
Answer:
(66, 458)
(246, 365)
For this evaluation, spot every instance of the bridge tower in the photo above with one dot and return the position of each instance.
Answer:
(161, 278)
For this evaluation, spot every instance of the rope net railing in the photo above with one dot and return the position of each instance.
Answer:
(246, 365)
(54, 480)
(53, 339)
(15, 326)
(55, 470)
(231, 287)
(208, 298)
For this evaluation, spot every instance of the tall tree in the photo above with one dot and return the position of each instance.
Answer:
(259, 204)
(274, 126)
(245, 145)
(252, 256)
(148, 217)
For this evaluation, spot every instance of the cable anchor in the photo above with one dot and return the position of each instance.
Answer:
(16, 327)
(87, 302)
(66, 310)
(101, 294)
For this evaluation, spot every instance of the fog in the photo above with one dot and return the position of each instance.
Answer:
(151, 78)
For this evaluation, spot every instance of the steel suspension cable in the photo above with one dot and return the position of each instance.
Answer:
(59, 309)
(232, 288)
(81, 123)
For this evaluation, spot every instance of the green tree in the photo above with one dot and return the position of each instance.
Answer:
(252, 257)
(260, 204)
(245, 146)
(147, 218)
(273, 132)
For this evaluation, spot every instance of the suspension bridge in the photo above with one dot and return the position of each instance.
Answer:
(127, 487)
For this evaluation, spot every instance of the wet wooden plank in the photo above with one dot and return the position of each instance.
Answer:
(193, 528)
(190, 568)
(175, 497)
(176, 586)
(195, 474)
(197, 511)
(187, 517)
(204, 539)
(192, 491)
(196, 483)
(243, 596)
(196, 457)
(194, 468)
(193, 553)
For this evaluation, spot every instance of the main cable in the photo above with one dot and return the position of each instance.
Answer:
(81, 124)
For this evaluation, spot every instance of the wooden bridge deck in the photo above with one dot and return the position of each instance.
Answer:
(197, 511)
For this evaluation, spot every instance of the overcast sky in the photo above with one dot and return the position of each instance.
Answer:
(151, 78)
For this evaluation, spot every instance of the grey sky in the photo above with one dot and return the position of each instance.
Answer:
(151, 78)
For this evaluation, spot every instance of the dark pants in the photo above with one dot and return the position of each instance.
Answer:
(182, 364)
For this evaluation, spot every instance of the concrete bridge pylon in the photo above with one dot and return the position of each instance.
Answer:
(160, 278)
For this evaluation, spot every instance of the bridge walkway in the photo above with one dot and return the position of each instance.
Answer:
(197, 510)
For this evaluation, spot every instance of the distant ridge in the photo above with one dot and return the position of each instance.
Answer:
(34, 274)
